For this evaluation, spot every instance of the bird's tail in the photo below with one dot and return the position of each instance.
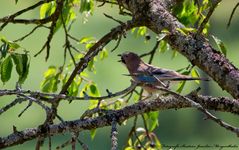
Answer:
(188, 78)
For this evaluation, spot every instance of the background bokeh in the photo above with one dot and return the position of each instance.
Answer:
(185, 126)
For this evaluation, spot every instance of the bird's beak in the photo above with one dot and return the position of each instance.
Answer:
(120, 55)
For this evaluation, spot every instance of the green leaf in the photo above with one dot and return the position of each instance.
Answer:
(87, 6)
(74, 88)
(26, 64)
(181, 31)
(49, 85)
(16, 1)
(91, 66)
(163, 45)
(142, 31)
(181, 86)
(152, 120)
(129, 148)
(50, 72)
(157, 144)
(220, 45)
(195, 74)
(6, 69)
(94, 90)
(92, 133)
(103, 54)
(11, 44)
(175, 53)
(4, 48)
(67, 14)
(18, 61)
(47, 9)
(186, 12)
(51, 80)
(86, 39)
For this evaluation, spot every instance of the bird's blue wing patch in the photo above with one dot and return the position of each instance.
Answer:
(146, 78)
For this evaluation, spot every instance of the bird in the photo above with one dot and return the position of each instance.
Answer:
(151, 76)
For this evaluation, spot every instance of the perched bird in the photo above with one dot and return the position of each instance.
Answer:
(151, 76)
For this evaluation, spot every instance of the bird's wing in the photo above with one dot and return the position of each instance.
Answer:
(166, 74)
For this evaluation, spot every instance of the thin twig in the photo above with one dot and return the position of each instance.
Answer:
(83, 145)
(67, 42)
(31, 32)
(211, 10)
(29, 104)
(10, 18)
(117, 44)
(116, 20)
(203, 110)
(56, 15)
(233, 11)
(152, 52)
(10, 105)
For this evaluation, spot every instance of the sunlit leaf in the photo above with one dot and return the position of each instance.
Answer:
(92, 133)
(50, 83)
(163, 46)
(51, 72)
(103, 54)
(47, 9)
(195, 74)
(129, 148)
(151, 119)
(87, 6)
(86, 39)
(74, 87)
(11, 45)
(68, 15)
(187, 12)
(6, 69)
(142, 31)
(130, 143)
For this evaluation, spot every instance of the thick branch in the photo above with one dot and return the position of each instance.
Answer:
(194, 47)
(163, 103)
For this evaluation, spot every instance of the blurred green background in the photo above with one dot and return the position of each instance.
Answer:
(184, 126)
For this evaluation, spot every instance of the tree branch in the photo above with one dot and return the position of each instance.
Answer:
(193, 46)
(95, 49)
(12, 17)
(163, 103)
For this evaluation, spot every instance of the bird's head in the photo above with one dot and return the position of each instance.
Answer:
(130, 59)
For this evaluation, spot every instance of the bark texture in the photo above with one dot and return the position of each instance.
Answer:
(195, 47)
(163, 103)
